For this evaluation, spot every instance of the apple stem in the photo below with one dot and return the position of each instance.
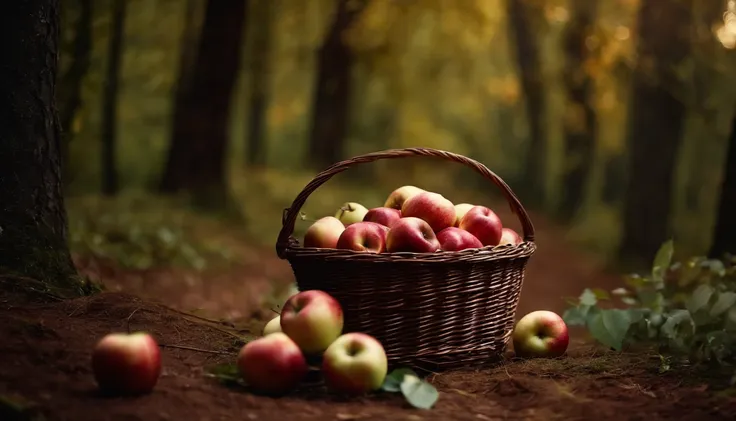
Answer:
(279, 313)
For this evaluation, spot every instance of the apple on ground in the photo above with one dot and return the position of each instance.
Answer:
(126, 364)
(509, 236)
(410, 234)
(273, 326)
(431, 207)
(455, 239)
(367, 237)
(384, 216)
(397, 197)
(273, 364)
(484, 224)
(540, 333)
(460, 210)
(313, 319)
(354, 364)
(350, 213)
(324, 233)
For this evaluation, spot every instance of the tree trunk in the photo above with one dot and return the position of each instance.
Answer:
(657, 122)
(331, 106)
(70, 86)
(259, 84)
(187, 51)
(530, 74)
(110, 99)
(196, 158)
(581, 122)
(33, 225)
(724, 236)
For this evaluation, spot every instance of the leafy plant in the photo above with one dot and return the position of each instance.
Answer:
(418, 392)
(686, 309)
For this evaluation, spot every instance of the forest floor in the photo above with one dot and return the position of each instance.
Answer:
(46, 348)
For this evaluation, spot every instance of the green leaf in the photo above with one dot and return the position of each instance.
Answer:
(609, 327)
(393, 381)
(715, 266)
(419, 393)
(601, 294)
(699, 298)
(574, 317)
(724, 302)
(635, 281)
(673, 327)
(628, 300)
(588, 298)
(662, 260)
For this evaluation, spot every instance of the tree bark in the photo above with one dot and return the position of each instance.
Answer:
(657, 119)
(70, 85)
(188, 50)
(331, 106)
(33, 221)
(108, 134)
(529, 67)
(581, 122)
(724, 236)
(196, 157)
(259, 84)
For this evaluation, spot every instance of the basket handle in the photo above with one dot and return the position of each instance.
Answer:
(290, 214)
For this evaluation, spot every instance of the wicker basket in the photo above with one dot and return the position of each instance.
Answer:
(443, 310)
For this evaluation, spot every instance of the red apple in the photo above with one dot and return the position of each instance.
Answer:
(460, 210)
(368, 237)
(313, 319)
(354, 364)
(410, 234)
(324, 233)
(540, 334)
(455, 239)
(431, 207)
(273, 326)
(509, 236)
(384, 216)
(126, 364)
(484, 224)
(273, 364)
(397, 197)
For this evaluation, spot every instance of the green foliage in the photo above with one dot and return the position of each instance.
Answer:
(686, 309)
(418, 392)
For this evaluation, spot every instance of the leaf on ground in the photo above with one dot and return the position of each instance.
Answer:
(699, 298)
(419, 393)
(662, 260)
(609, 327)
(392, 382)
(724, 302)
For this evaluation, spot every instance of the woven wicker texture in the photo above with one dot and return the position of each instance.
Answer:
(429, 310)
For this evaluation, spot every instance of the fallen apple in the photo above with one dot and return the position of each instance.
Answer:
(313, 319)
(484, 224)
(350, 213)
(384, 216)
(540, 334)
(410, 234)
(324, 233)
(509, 236)
(367, 237)
(273, 326)
(460, 210)
(354, 364)
(273, 364)
(397, 197)
(431, 207)
(126, 364)
(456, 239)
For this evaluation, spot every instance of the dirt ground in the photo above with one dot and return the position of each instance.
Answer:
(46, 350)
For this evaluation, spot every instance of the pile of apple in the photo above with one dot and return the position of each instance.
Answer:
(411, 220)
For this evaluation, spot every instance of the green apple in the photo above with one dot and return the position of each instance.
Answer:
(354, 364)
(351, 212)
(273, 326)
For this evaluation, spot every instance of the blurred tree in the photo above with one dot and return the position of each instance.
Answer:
(526, 49)
(201, 112)
(580, 121)
(33, 222)
(187, 52)
(657, 119)
(110, 99)
(331, 103)
(70, 83)
(259, 82)
(724, 236)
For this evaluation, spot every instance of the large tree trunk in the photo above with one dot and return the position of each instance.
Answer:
(581, 123)
(528, 63)
(188, 48)
(331, 106)
(724, 236)
(33, 226)
(259, 83)
(196, 159)
(110, 99)
(70, 85)
(657, 119)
